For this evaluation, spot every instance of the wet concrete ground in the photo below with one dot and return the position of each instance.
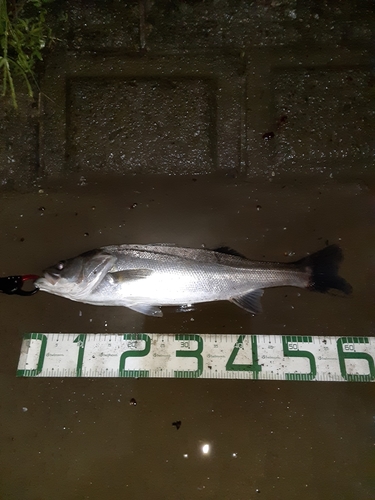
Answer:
(73, 439)
(279, 93)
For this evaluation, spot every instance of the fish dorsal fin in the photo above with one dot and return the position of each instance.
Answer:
(229, 251)
(130, 275)
(250, 301)
(162, 244)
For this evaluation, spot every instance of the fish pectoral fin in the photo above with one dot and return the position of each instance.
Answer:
(130, 275)
(250, 301)
(146, 309)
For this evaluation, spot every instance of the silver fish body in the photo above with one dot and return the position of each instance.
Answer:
(146, 277)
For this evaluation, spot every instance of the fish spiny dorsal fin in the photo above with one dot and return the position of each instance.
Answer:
(229, 251)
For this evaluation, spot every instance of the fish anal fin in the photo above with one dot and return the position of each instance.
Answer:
(147, 309)
(250, 301)
(130, 275)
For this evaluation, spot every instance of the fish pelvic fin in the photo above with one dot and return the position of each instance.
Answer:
(323, 267)
(146, 309)
(250, 301)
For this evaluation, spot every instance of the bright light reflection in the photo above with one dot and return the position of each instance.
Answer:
(205, 449)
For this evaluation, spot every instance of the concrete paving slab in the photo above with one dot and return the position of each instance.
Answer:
(146, 115)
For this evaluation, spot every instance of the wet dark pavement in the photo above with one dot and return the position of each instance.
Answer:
(216, 123)
(74, 438)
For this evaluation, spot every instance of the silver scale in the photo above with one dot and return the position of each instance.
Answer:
(225, 356)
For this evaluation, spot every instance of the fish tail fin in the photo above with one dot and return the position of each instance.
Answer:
(323, 269)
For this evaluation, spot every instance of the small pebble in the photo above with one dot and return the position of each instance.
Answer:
(268, 136)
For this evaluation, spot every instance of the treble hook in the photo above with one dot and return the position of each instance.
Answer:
(12, 285)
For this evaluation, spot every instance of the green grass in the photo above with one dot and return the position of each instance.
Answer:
(24, 34)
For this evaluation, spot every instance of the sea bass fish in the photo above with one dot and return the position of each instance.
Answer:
(146, 277)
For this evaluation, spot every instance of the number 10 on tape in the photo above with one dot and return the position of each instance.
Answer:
(231, 356)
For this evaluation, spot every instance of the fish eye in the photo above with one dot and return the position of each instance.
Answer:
(60, 265)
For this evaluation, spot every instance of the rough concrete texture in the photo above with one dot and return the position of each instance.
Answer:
(19, 143)
(109, 118)
(165, 115)
(279, 88)
(246, 124)
(306, 101)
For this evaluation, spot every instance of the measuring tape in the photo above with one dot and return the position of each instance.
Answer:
(258, 357)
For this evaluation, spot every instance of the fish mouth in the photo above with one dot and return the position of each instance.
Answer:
(48, 278)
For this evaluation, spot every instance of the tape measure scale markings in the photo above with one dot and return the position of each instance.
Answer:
(228, 356)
